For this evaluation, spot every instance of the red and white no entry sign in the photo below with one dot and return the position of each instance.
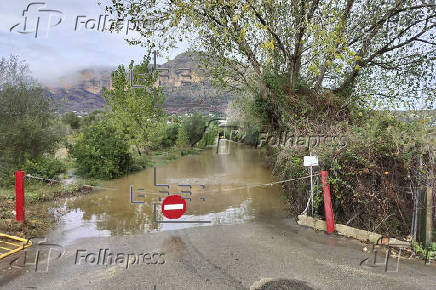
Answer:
(173, 206)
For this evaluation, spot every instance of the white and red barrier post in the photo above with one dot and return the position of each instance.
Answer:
(328, 209)
(19, 195)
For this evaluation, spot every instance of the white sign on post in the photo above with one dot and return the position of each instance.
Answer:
(310, 160)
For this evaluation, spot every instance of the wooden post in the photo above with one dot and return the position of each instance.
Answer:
(328, 209)
(19, 195)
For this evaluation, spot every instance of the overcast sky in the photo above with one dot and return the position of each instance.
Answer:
(60, 47)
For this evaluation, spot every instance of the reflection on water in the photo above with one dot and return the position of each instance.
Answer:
(230, 196)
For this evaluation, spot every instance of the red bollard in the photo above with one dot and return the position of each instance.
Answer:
(19, 195)
(328, 209)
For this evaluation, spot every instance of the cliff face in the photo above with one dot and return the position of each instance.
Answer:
(186, 88)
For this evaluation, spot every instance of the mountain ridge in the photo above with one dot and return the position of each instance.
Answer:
(186, 88)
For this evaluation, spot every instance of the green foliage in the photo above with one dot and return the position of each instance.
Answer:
(194, 126)
(44, 167)
(209, 136)
(182, 138)
(132, 109)
(101, 152)
(342, 45)
(288, 164)
(28, 123)
(170, 137)
(250, 134)
(236, 136)
(140, 162)
(427, 253)
(93, 117)
(370, 174)
(72, 119)
(7, 178)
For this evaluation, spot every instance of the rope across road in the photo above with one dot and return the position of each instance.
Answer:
(210, 191)
(43, 179)
(59, 181)
(260, 185)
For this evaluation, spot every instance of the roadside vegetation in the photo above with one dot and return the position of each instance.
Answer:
(341, 68)
(322, 68)
(130, 135)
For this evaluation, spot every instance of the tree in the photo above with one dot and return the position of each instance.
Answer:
(93, 117)
(132, 109)
(194, 127)
(182, 138)
(101, 152)
(26, 115)
(72, 119)
(365, 47)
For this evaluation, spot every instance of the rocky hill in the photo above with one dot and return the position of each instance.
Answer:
(186, 88)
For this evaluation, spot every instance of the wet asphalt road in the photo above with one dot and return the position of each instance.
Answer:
(219, 257)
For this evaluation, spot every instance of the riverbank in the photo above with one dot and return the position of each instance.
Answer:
(40, 217)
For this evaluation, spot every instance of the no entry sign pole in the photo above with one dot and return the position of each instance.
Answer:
(328, 209)
(19, 195)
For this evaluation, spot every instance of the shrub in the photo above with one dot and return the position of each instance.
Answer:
(140, 162)
(251, 134)
(182, 137)
(29, 126)
(370, 177)
(171, 133)
(44, 167)
(194, 127)
(26, 123)
(209, 136)
(7, 176)
(72, 119)
(101, 152)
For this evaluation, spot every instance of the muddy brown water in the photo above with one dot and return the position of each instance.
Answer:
(231, 194)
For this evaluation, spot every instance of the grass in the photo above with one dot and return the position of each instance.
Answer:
(426, 253)
(38, 191)
(37, 196)
(160, 157)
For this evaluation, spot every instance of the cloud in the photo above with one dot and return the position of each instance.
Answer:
(61, 49)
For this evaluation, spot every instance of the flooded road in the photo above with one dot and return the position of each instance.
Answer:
(225, 188)
(246, 241)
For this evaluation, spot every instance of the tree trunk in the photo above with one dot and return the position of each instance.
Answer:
(139, 151)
